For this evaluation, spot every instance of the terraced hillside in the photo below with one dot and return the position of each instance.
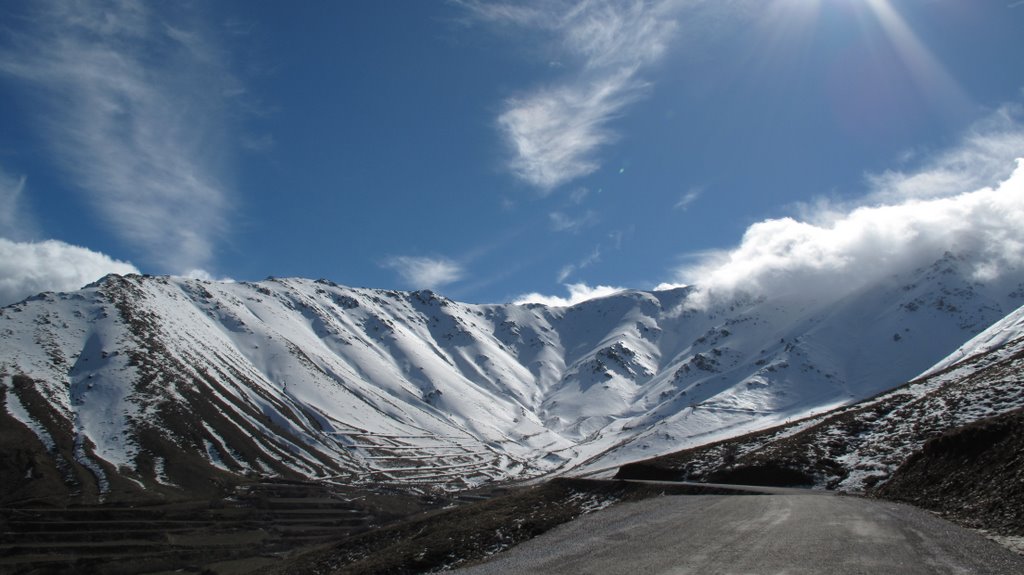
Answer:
(260, 524)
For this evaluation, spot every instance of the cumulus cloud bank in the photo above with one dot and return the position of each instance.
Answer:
(133, 107)
(578, 292)
(28, 268)
(870, 243)
(556, 130)
(968, 200)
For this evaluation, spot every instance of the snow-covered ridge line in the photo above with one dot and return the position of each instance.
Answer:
(1001, 332)
(167, 376)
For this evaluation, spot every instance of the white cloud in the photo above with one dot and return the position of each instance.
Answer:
(555, 131)
(868, 244)
(561, 222)
(688, 198)
(424, 272)
(134, 110)
(201, 274)
(968, 200)
(578, 195)
(569, 269)
(578, 292)
(499, 13)
(984, 158)
(15, 222)
(28, 268)
(668, 286)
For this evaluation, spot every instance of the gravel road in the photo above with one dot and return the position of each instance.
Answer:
(791, 534)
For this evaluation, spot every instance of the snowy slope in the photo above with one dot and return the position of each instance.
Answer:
(995, 339)
(154, 379)
(861, 446)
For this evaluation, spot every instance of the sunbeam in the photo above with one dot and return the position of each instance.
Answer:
(933, 82)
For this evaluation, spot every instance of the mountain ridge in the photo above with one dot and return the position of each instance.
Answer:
(162, 383)
(860, 447)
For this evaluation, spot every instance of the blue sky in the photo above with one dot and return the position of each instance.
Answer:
(490, 150)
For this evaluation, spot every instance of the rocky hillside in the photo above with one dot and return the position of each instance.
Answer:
(972, 474)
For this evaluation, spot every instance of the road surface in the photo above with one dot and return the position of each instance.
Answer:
(791, 534)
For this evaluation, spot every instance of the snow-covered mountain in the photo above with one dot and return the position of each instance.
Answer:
(168, 382)
(862, 446)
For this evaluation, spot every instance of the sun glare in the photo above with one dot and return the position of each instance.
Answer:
(930, 76)
(790, 22)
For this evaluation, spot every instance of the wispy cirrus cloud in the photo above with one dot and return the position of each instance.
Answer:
(15, 222)
(562, 222)
(569, 269)
(985, 156)
(425, 272)
(555, 131)
(688, 198)
(131, 101)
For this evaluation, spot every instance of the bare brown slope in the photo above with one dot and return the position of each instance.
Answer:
(973, 474)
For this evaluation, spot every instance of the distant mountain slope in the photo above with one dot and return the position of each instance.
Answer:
(861, 446)
(161, 383)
